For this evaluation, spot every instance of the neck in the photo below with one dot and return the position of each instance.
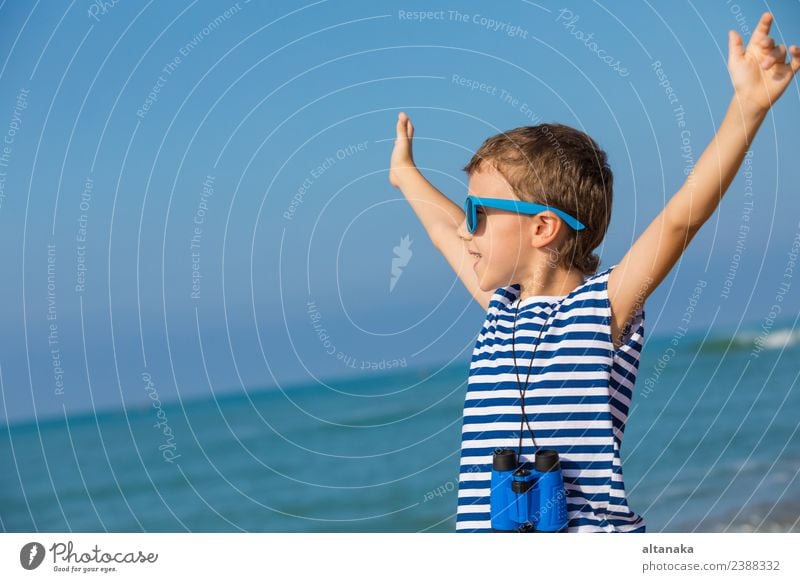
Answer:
(550, 281)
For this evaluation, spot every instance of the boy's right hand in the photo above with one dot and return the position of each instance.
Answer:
(402, 162)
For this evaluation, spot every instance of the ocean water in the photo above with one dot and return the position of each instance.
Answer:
(712, 444)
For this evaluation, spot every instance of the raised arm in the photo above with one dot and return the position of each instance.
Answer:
(434, 210)
(440, 216)
(759, 75)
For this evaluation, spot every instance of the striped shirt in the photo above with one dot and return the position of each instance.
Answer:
(577, 401)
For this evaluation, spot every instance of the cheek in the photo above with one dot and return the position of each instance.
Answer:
(502, 245)
(501, 235)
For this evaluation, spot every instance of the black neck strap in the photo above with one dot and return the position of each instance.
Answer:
(524, 417)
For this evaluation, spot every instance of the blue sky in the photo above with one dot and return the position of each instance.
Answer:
(236, 158)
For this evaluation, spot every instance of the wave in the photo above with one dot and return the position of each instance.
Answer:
(776, 339)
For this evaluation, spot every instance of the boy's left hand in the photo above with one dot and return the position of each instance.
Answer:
(760, 73)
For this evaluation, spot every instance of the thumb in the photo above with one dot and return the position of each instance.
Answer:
(410, 129)
(402, 131)
(735, 46)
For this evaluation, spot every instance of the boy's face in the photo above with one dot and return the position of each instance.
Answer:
(510, 244)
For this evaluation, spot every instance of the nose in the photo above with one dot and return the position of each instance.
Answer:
(462, 231)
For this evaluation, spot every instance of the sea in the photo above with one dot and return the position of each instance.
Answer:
(711, 445)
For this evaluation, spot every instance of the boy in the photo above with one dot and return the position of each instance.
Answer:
(540, 204)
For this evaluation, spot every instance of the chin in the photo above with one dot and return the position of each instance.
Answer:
(488, 285)
(493, 283)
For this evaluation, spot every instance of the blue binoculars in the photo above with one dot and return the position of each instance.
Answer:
(527, 501)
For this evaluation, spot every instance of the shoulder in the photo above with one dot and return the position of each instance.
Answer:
(594, 289)
(593, 296)
(599, 282)
(601, 277)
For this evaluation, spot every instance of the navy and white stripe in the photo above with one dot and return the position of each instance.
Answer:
(578, 397)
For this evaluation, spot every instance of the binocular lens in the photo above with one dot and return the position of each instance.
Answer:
(504, 460)
(547, 461)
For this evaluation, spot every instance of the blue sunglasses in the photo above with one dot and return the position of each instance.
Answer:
(472, 202)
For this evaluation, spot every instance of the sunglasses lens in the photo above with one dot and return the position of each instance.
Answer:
(469, 210)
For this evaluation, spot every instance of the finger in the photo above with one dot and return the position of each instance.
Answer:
(771, 53)
(779, 53)
(761, 31)
(410, 129)
(776, 55)
(735, 46)
(795, 63)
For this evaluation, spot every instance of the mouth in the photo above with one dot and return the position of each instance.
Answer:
(477, 256)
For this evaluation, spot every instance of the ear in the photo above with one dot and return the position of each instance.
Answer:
(545, 228)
